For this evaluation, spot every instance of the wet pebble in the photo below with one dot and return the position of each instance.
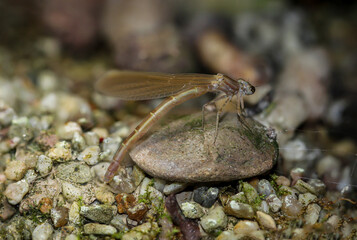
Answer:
(21, 128)
(43, 231)
(137, 212)
(291, 206)
(161, 156)
(174, 188)
(74, 172)
(124, 202)
(61, 152)
(100, 170)
(265, 188)
(304, 187)
(123, 181)
(239, 210)
(266, 221)
(274, 202)
(45, 205)
(15, 170)
(306, 198)
(318, 186)
(67, 130)
(14, 192)
(99, 229)
(44, 165)
(296, 174)
(312, 213)
(78, 142)
(90, 155)
(192, 210)
(59, 216)
(102, 213)
(215, 220)
(205, 196)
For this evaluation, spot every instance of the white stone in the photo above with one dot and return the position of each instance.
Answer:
(44, 165)
(92, 139)
(15, 170)
(43, 232)
(16, 191)
(67, 130)
(61, 152)
(74, 215)
(266, 220)
(90, 155)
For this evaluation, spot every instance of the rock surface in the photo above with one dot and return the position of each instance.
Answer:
(178, 152)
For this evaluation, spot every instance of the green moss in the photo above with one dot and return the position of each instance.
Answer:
(118, 235)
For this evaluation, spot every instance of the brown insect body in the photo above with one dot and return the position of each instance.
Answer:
(129, 85)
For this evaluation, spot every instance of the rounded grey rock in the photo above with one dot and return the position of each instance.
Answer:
(183, 152)
(74, 172)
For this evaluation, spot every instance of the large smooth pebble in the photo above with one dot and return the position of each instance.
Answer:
(182, 152)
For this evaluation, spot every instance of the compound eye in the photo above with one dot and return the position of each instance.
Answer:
(252, 89)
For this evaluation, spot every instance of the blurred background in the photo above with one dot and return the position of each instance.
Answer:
(301, 55)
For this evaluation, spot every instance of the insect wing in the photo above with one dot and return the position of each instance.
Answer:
(129, 85)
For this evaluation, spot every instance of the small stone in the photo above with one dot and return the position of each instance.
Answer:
(6, 210)
(91, 138)
(304, 187)
(61, 152)
(30, 176)
(59, 216)
(205, 196)
(109, 147)
(215, 220)
(16, 191)
(192, 210)
(296, 174)
(100, 213)
(74, 215)
(67, 130)
(265, 188)
(233, 156)
(105, 196)
(124, 202)
(44, 165)
(291, 206)
(45, 205)
(138, 175)
(239, 210)
(15, 170)
(74, 172)
(159, 184)
(46, 140)
(249, 191)
(119, 221)
(43, 231)
(147, 230)
(266, 220)
(333, 221)
(227, 235)
(123, 182)
(90, 155)
(174, 188)
(74, 192)
(312, 213)
(264, 207)
(245, 226)
(101, 132)
(306, 198)
(239, 197)
(100, 170)
(21, 128)
(6, 114)
(78, 141)
(282, 180)
(99, 229)
(318, 185)
(137, 212)
(274, 202)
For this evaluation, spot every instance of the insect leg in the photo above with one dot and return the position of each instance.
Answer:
(217, 117)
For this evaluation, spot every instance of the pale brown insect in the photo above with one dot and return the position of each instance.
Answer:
(129, 85)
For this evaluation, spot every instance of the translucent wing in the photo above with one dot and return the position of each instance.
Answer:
(129, 85)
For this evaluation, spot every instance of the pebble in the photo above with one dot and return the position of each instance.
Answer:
(124, 202)
(333, 221)
(99, 229)
(205, 196)
(214, 220)
(137, 212)
(102, 213)
(109, 147)
(227, 235)
(91, 138)
(74, 172)
(249, 191)
(70, 107)
(59, 216)
(119, 222)
(16, 191)
(6, 210)
(265, 188)
(312, 213)
(318, 185)
(61, 152)
(173, 188)
(239, 210)
(266, 221)
(104, 195)
(67, 130)
(74, 214)
(282, 180)
(138, 175)
(184, 197)
(274, 202)
(43, 231)
(161, 156)
(147, 230)
(30, 176)
(74, 192)
(304, 187)
(100, 169)
(123, 182)
(90, 155)
(192, 210)
(239, 197)
(246, 226)
(120, 129)
(101, 132)
(264, 207)
(296, 174)
(45, 205)
(306, 198)
(291, 206)
(78, 142)
(44, 165)
(21, 128)
(6, 114)
(328, 164)
(15, 170)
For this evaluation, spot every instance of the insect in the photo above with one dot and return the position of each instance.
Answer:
(128, 85)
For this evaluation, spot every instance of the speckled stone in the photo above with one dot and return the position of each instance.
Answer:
(100, 229)
(192, 210)
(43, 231)
(274, 202)
(205, 196)
(265, 188)
(74, 172)
(291, 206)
(174, 188)
(239, 210)
(137, 212)
(178, 152)
(61, 152)
(100, 213)
(312, 213)
(59, 216)
(15, 170)
(44, 165)
(90, 155)
(6, 210)
(215, 219)
(16, 191)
